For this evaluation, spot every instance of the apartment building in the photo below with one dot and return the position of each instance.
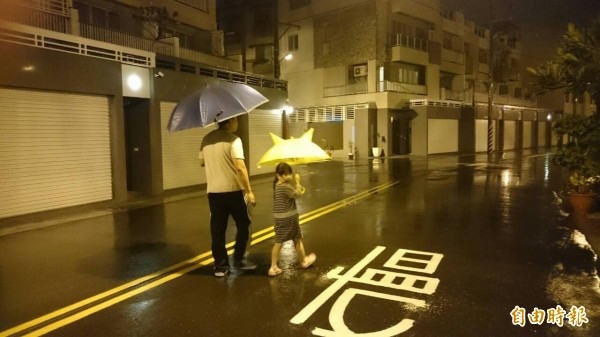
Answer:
(407, 77)
(86, 91)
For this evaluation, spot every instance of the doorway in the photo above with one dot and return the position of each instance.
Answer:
(401, 132)
(137, 145)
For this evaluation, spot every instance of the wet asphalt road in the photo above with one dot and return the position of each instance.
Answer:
(454, 245)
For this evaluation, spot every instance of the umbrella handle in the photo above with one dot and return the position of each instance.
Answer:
(219, 114)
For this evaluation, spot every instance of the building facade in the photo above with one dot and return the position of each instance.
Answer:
(86, 91)
(408, 77)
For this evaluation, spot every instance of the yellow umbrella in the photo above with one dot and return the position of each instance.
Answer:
(294, 151)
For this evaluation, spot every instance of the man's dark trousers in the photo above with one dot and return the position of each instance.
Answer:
(221, 206)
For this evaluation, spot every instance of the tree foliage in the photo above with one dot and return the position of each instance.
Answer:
(576, 68)
(156, 20)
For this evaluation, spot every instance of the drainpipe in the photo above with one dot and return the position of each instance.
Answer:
(276, 65)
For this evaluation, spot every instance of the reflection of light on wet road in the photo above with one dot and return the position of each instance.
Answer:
(506, 178)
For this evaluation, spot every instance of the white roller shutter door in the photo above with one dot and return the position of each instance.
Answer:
(481, 135)
(181, 165)
(510, 132)
(442, 135)
(54, 151)
(261, 122)
(541, 134)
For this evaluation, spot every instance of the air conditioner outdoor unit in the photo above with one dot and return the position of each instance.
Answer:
(360, 71)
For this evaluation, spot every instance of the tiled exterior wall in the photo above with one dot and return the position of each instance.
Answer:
(346, 37)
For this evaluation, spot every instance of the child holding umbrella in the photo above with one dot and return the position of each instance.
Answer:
(285, 212)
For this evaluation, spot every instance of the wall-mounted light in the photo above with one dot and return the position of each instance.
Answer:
(134, 82)
(287, 57)
(28, 67)
(287, 109)
(159, 74)
(549, 117)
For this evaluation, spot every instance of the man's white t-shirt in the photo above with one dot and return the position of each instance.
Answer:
(220, 149)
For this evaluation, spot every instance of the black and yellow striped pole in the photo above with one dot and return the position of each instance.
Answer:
(490, 130)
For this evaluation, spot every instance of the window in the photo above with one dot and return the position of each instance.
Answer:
(295, 4)
(113, 21)
(483, 56)
(518, 92)
(83, 11)
(262, 23)
(185, 40)
(452, 42)
(97, 16)
(411, 74)
(480, 31)
(293, 42)
(503, 90)
(261, 55)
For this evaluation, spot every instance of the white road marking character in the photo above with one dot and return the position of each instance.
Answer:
(336, 316)
(402, 259)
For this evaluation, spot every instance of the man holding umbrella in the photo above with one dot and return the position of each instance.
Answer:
(223, 156)
(229, 193)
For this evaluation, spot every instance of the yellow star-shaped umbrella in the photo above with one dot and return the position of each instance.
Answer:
(294, 151)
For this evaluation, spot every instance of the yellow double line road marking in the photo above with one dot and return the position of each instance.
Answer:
(140, 285)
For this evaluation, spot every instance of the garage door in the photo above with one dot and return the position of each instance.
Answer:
(261, 122)
(442, 136)
(510, 132)
(54, 151)
(541, 134)
(181, 166)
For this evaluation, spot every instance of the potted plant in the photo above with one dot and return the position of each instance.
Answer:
(580, 156)
(376, 150)
(328, 148)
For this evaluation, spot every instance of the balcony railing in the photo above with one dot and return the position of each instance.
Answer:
(408, 41)
(46, 39)
(402, 87)
(431, 102)
(122, 39)
(357, 88)
(453, 95)
(51, 15)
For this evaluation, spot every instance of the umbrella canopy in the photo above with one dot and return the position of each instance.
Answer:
(215, 103)
(294, 151)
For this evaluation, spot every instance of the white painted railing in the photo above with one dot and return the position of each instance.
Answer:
(402, 87)
(42, 38)
(431, 102)
(409, 42)
(357, 88)
(327, 113)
